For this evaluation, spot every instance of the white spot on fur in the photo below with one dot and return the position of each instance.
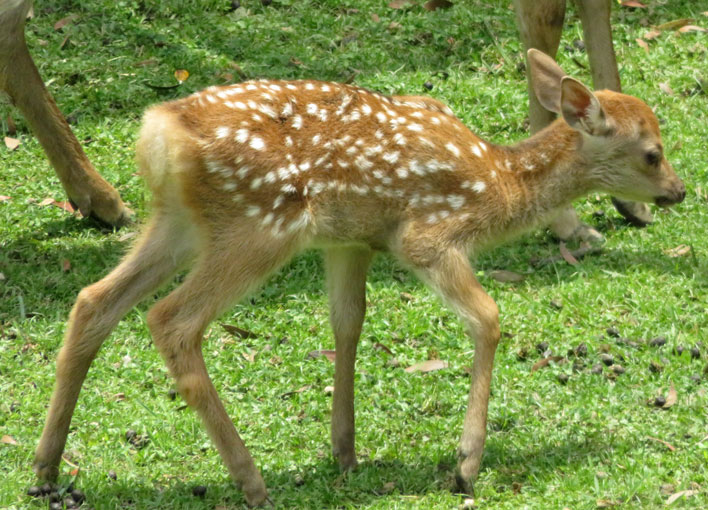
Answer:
(256, 183)
(257, 143)
(455, 201)
(362, 163)
(243, 171)
(229, 186)
(399, 139)
(415, 127)
(297, 121)
(391, 157)
(381, 116)
(479, 186)
(242, 135)
(222, 132)
(475, 150)
(402, 172)
(253, 210)
(453, 148)
(288, 141)
(366, 109)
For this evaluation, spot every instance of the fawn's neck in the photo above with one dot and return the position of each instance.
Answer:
(543, 174)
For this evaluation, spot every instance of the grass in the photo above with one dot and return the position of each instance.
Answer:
(591, 442)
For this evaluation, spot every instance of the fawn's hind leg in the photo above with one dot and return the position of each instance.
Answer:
(164, 246)
(227, 269)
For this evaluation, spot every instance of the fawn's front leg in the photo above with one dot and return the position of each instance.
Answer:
(346, 282)
(453, 278)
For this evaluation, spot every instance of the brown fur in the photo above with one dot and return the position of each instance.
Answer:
(246, 176)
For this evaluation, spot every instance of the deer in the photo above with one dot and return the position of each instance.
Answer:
(540, 24)
(246, 176)
(90, 193)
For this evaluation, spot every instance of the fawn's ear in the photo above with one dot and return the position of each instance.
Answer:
(581, 109)
(546, 78)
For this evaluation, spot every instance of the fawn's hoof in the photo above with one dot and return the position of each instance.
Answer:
(585, 233)
(636, 213)
(464, 485)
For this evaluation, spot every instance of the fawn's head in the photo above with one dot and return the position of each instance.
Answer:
(621, 142)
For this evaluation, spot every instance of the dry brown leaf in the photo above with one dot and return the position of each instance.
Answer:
(66, 265)
(148, 62)
(11, 143)
(434, 5)
(680, 494)
(236, 331)
(652, 34)
(249, 356)
(46, 202)
(64, 21)
(691, 28)
(4, 197)
(675, 24)
(545, 362)
(375, 18)
(381, 347)
(427, 366)
(678, 251)
(567, 256)
(665, 443)
(8, 440)
(294, 392)
(643, 45)
(394, 25)
(671, 398)
(666, 89)
(64, 205)
(398, 4)
(503, 276)
(329, 354)
(181, 75)
(607, 503)
(633, 3)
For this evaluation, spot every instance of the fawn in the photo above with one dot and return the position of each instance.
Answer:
(245, 176)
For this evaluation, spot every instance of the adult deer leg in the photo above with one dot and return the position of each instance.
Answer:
(163, 247)
(346, 283)
(20, 79)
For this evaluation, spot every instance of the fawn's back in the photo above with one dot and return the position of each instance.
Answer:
(308, 157)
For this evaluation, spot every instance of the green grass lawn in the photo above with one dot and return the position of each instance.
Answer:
(594, 441)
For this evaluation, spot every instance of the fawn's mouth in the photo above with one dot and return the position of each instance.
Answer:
(669, 201)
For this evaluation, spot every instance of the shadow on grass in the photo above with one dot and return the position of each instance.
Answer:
(322, 485)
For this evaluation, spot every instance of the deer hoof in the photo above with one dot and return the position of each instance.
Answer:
(45, 471)
(464, 485)
(347, 462)
(256, 493)
(636, 213)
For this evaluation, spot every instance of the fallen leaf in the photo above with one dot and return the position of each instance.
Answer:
(632, 3)
(679, 251)
(405, 296)
(4, 197)
(329, 390)
(666, 89)
(665, 443)
(381, 347)
(652, 34)
(329, 354)
(394, 25)
(148, 62)
(671, 398)
(11, 143)
(606, 503)
(236, 331)
(249, 356)
(643, 45)
(46, 202)
(64, 21)
(398, 4)
(427, 366)
(66, 265)
(504, 276)
(567, 256)
(375, 18)
(64, 205)
(691, 28)
(545, 362)
(675, 24)
(181, 75)
(294, 392)
(8, 440)
(680, 494)
(434, 5)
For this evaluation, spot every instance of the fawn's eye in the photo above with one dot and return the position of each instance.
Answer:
(652, 158)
